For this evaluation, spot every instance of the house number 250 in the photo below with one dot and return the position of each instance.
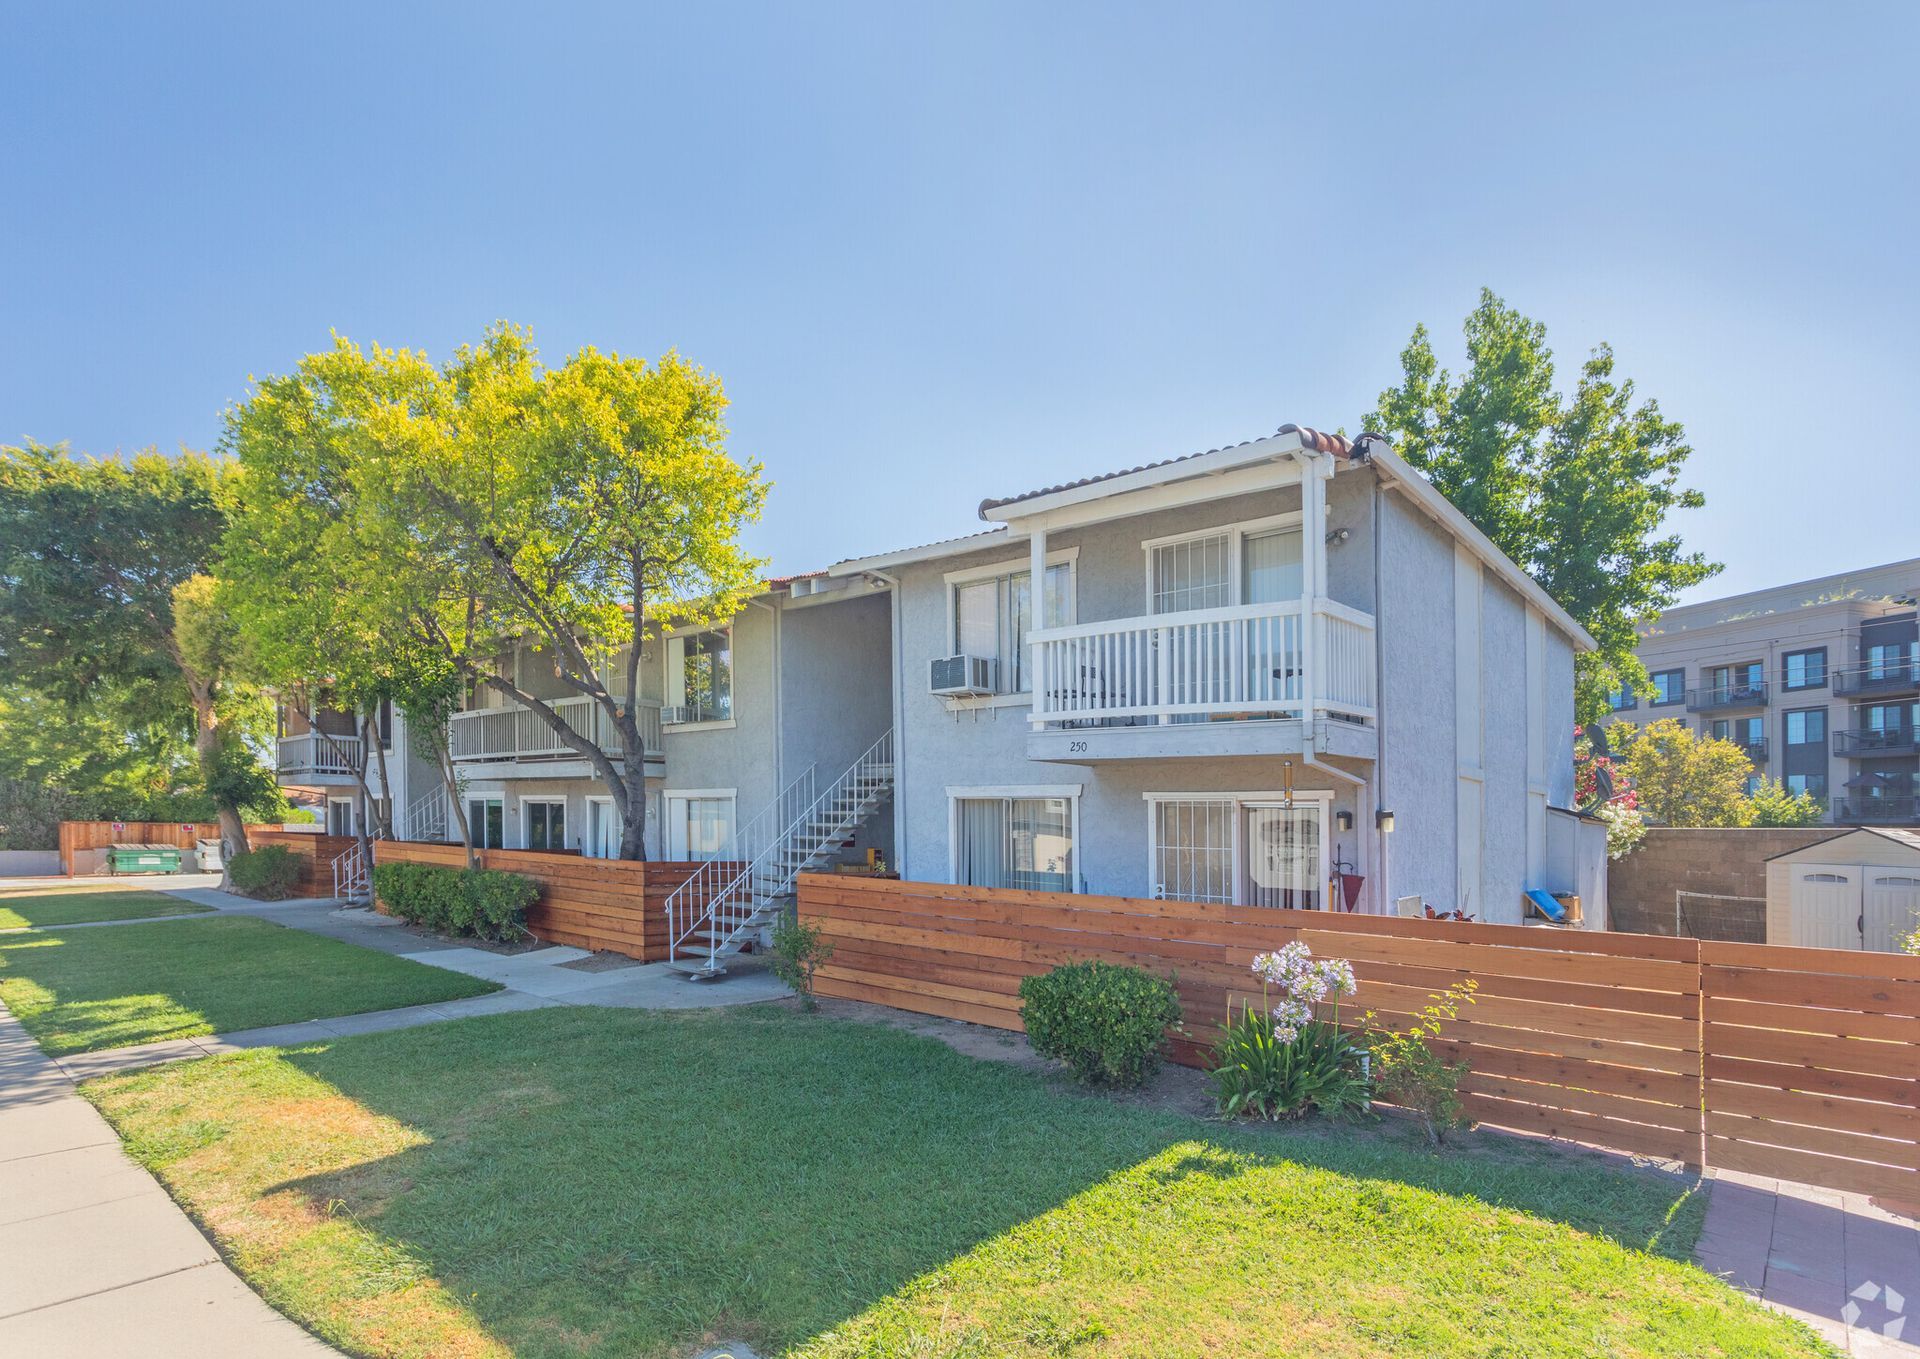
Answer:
(1076, 747)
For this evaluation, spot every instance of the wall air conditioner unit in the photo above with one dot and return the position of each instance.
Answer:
(674, 717)
(962, 676)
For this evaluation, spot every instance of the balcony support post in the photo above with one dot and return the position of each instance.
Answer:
(1038, 683)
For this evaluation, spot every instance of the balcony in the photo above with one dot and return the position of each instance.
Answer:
(308, 755)
(1245, 679)
(1875, 811)
(1872, 742)
(1894, 676)
(1720, 697)
(516, 733)
(1755, 750)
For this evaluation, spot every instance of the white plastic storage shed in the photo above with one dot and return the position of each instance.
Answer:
(1860, 889)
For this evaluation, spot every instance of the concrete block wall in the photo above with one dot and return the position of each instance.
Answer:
(1728, 862)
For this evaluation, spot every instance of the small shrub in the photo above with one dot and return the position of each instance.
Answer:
(1409, 1073)
(1107, 1023)
(1263, 1070)
(799, 951)
(476, 903)
(270, 873)
(1283, 1060)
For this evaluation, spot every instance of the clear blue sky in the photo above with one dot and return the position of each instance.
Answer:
(943, 254)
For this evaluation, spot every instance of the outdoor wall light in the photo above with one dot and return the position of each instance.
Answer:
(1383, 819)
(1344, 820)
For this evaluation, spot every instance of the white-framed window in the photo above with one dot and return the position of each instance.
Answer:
(1257, 561)
(487, 822)
(990, 613)
(699, 678)
(1248, 849)
(340, 817)
(545, 822)
(1022, 837)
(700, 822)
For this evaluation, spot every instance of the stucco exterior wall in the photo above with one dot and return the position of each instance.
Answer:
(1503, 668)
(1419, 769)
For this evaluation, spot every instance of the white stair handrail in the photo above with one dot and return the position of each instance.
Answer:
(427, 817)
(690, 903)
(734, 904)
(350, 879)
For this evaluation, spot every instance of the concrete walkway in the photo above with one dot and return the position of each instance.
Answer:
(1845, 1267)
(99, 1260)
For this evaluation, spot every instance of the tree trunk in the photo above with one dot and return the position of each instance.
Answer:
(456, 809)
(363, 835)
(386, 784)
(206, 747)
(633, 822)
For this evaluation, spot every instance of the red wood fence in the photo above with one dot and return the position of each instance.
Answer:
(605, 904)
(1797, 1063)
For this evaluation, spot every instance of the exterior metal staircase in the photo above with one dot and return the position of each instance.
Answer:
(351, 880)
(427, 817)
(725, 904)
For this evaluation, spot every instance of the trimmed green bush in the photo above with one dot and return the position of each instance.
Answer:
(270, 873)
(1107, 1023)
(477, 903)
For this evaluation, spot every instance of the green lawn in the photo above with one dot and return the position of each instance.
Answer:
(73, 906)
(598, 1182)
(91, 989)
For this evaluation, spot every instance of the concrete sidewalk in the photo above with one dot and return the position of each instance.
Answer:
(1848, 1269)
(99, 1261)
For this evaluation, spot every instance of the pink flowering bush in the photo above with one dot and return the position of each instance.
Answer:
(1286, 1059)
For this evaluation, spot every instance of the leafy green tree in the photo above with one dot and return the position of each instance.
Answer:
(1773, 804)
(106, 606)
(1681, 779)
(459, 510)
(1577, 490)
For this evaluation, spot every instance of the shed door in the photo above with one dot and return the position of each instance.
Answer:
(1826, 906)
(1892, 906)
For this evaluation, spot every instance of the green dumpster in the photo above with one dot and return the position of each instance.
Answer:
(143, 859)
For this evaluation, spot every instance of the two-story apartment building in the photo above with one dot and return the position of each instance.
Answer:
(1247, 674)
(1287, 672)
(1818, 681)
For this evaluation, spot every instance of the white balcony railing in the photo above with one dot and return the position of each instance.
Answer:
(314, 754)
(1246, 660)
(515, 732)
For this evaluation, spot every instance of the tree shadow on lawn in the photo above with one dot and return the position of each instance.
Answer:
(593, 1181)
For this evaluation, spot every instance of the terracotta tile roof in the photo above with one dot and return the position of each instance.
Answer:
(1336, 444)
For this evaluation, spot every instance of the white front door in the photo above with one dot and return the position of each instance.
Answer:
(339, 816)
(603, 829)
(1826, 906)
(699, 825)
(1283, 852)
(1890, 907)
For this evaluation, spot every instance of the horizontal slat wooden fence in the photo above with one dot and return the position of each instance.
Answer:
(316, 854)
(1623, 1041)
(601, 904)
(1813, 1066)
(78, 838)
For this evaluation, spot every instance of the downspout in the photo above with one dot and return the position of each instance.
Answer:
(779, 726)
(1382, 840)
(897, 682)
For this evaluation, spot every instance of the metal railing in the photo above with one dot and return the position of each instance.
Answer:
(1866, 742)
(743, 889)
(1876, 811)
(516, 732)
(427, 817)
(691, 903)
(311, 753)
(1242, 660)
(1891, 674)
(351, 881)
(1714, 696)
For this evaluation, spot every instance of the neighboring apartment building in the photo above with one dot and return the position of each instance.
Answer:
(1819, 682)
(1283, 673)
